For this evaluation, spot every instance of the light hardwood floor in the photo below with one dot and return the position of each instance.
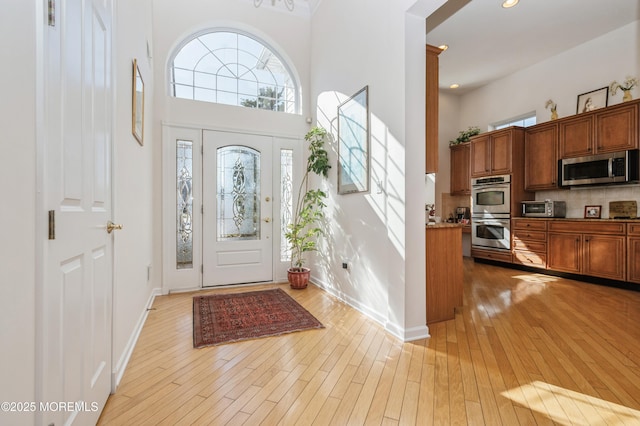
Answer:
(524, 349)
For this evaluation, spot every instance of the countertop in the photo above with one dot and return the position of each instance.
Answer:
(577, 219)
(440, 225)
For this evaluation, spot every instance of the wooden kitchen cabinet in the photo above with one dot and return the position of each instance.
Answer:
(491, 254)
(541, 157)
(633, 253)
(444, 271)
(617, 128)
(604, 256)
(431, 119)
(605, 130)
(479, 156)
(491, 153)
(529, 242)
(576, 136)
(595, 248)
(565, 252)
(460, 177)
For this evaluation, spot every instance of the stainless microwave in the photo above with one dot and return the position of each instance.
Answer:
(615, 167)
(546, 208)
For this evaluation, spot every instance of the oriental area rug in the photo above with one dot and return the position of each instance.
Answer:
(226, 318)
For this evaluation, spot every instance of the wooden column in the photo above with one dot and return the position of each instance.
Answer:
(431, 119)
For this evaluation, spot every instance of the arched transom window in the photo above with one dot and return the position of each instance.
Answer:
(228, 67)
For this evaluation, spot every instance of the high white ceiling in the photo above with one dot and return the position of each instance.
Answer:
(487, 42)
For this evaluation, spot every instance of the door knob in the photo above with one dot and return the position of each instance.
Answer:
(267, 219)
(111, 226)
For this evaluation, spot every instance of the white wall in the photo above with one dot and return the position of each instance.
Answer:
(133, 183)
(587, 67)
(17, 209)
(380, 233)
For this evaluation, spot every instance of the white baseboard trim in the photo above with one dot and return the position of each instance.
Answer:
(406, 335)
(118, 372)
(416, 333)
(355, 304)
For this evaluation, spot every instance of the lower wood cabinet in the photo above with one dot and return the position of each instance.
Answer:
(597, 249)
(633, 253)
(529, 242)
(605, 249)
(565, 252)
(444, 271)
(492, 254)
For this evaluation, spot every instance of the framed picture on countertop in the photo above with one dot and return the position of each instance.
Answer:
(592, 212)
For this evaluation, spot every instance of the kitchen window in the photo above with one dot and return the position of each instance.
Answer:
(526, 121)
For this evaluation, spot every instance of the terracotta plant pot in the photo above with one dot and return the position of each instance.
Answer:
(298, 279)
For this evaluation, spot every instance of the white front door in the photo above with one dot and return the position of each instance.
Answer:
(74, 346)
(237, 208)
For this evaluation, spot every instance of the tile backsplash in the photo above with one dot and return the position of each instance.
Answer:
(577, 198)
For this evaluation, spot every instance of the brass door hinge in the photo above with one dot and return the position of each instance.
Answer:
(51, 14)
(52, 224)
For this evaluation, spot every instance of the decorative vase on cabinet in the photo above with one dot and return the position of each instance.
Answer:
(626, 95)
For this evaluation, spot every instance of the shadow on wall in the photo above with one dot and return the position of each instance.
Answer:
(366, 230)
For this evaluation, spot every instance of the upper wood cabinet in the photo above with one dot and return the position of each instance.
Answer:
(541, 157)
(576, 136)
(460, 179)
(610, 129)
(431, 107)
(480, 152)
(617, 128)
(491, 153)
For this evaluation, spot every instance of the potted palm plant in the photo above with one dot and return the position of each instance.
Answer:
(303, 231)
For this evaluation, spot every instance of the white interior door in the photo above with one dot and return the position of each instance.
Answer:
(237, 208)
(76, 317)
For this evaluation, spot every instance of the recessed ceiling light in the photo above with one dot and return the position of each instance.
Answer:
(454, 86)
(509, 3)
(443, 47)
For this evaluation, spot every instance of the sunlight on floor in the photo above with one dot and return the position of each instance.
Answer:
(536, 278)
(569, 407)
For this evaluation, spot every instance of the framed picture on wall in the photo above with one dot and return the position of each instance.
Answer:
(137, 104)
(593, 100)
(353, 143)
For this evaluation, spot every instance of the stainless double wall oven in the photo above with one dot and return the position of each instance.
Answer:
(491, 212)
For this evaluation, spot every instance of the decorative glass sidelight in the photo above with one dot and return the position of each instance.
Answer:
(184, 204)
(286, 201)
(238, 196)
